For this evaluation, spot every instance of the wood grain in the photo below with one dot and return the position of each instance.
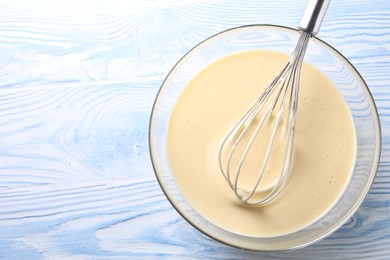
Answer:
(77, 84)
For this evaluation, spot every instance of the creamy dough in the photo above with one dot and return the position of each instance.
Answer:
(213, 101)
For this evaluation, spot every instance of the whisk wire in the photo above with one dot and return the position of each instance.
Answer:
(248, 116)
(283, 89)
(297, 65)
(286, 84)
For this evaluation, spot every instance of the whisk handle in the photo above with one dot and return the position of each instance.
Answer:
(313, 16)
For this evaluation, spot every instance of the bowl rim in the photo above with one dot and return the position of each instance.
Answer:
(376, 159)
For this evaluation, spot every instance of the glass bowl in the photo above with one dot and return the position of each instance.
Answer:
(322, 56)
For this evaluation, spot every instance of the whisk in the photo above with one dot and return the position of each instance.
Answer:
(269, 122)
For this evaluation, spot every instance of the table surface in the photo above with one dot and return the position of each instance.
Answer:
(77, 83)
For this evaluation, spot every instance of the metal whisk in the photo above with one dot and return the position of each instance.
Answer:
(269, 122)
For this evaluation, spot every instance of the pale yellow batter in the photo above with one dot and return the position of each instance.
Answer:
(324, 151)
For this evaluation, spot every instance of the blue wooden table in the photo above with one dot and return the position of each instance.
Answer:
(77, 83)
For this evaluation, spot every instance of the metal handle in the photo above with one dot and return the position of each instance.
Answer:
(313, 16)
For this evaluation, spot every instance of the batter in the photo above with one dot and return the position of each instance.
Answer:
(213, 101)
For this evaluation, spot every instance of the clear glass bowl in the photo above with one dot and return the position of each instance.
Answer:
(325, 58)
